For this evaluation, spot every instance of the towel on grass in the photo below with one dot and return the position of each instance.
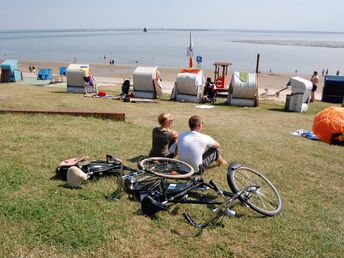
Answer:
(306, 134)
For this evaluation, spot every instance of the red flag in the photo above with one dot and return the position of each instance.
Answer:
(190, 63)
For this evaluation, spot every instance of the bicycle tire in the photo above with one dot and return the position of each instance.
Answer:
(265, 200)
(167, 168)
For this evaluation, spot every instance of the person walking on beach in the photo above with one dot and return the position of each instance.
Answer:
(164, 140)
(197, 149)
(315, 81)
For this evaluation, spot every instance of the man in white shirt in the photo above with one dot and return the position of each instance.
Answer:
(197, 149)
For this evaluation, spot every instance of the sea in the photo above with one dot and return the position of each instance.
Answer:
(279, 51)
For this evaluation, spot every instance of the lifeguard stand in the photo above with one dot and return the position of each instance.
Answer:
(221, 76)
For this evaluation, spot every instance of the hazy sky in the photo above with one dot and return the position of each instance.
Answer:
(312, 15)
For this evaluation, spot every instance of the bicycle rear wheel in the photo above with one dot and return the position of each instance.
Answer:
(263, 196)
(167, 168)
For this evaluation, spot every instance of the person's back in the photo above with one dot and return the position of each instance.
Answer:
(198, 149)
(125, 87)
(163, 138)
(209, 88)
(191, 146)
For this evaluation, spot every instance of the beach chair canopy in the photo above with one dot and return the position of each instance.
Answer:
(45, 74)
(243, 89)
(299, 98)
(10, 71)
(189, 86)
(147, 83)
(76, 74)
(333, 90)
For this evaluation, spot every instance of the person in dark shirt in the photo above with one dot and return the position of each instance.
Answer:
(164, 140)
(209, 89)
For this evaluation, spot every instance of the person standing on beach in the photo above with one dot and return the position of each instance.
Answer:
(198, 149)
(315, 81)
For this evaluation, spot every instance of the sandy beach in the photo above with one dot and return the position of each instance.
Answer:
(117, 73)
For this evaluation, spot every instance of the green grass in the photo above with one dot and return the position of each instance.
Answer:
(40, 217)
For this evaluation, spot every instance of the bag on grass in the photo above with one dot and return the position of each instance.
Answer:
(62, 168)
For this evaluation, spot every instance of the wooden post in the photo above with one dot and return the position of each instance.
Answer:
(256, 100)
(257, 64)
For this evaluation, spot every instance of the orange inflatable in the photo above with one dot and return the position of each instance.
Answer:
(328, 122)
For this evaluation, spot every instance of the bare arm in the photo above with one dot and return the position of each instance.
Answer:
(216, 145)
(174, 135)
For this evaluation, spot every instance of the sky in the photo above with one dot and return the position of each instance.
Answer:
(301, 15)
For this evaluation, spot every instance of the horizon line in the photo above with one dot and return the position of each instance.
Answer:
(162, 29)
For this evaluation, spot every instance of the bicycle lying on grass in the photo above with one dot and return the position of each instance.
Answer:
(162, 182)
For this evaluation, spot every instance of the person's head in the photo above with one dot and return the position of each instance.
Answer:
(208, 79)
(315, 73)
(165, 119)
(195, 123)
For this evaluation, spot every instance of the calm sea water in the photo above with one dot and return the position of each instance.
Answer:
(279, 51)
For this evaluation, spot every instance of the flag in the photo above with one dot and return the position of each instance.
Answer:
(190, 52)
(190, 62)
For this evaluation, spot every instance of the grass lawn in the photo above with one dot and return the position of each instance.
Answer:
(40, 217)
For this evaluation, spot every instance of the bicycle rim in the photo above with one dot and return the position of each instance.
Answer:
(265, 199)
(167, 168)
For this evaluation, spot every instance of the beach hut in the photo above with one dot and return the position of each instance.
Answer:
(189, 86)
(147, 83)
(243, 90)
(76, 74)
(10, 71)
(333, 90)
(299, 98)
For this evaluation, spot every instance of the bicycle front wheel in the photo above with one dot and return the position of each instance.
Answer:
(263, 196)
(167, 168)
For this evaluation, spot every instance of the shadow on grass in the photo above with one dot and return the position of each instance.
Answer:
(136, 159)
(279, 110)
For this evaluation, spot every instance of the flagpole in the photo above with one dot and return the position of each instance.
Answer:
(190, 52)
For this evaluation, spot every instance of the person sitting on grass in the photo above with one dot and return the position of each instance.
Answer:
(197, 149)
(209, 90)
(164, 140)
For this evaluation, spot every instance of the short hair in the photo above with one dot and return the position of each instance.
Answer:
(164, 117)
(194, 122)
(208, 79)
